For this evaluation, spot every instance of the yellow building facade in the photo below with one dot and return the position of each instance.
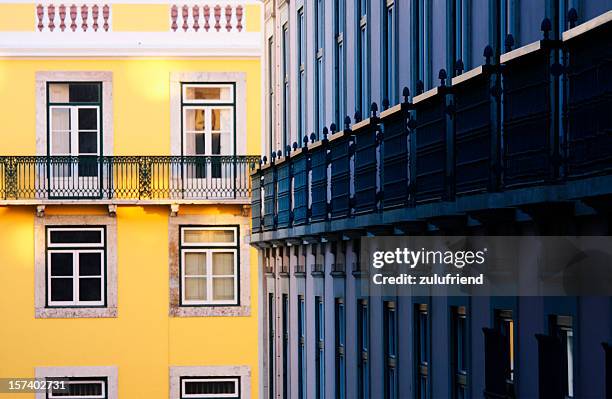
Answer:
(127, 132)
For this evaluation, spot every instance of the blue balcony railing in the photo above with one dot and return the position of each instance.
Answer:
(539, 115)
(126, 177)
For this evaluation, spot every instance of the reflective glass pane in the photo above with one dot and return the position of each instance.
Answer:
(58, 93)
(195, 264)
(75, 236)
(90, 264)
(88, 143)
(60, 143)
(223, 263)
(90, 289)
(208, 236)
(61, 264)
(208, 93)
(84, 92)
(223, 288)
(61, 289)
(195, 288)
(60, 119)
(88, 118)
(194, 120)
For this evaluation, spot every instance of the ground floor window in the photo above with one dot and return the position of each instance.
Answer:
(80, 387)
(210, 387)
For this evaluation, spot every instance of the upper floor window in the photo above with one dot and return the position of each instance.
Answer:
(508, 25)
(363, 80)
(286, 96)
(209, 265)
(80, 388)
(421, 338)
(301, 81)
(208, 122)
(389, 48)
(390, 348)
(271, 83)
(76, 266)
(422, 41)
(458, 359)
(319, 72)
(210, 387)
(340, 63)
(460, 44)
(74, 127)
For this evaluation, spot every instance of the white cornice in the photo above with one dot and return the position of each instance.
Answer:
(125, 44)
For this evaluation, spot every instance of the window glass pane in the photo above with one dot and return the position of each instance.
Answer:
(58, 93)
(204, 93)
(84, 92)
(194, 119)
(208, 236)
(60, 119)
(61, 264)
(90, 264)
(60, 143)
(195, 264)
(61, 289)
(223, 263)
(88, 118)
(88, 143)
(223, 288)
(212, 387)
(90, 289)
(195, 288)
(75, 236)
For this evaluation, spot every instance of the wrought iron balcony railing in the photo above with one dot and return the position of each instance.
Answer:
(125, 177)
(537, 116)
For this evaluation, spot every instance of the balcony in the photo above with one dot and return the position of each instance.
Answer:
(125, 179)
(524, 136)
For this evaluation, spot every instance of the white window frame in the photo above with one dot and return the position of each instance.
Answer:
(235, 380)
(208, 131)
(99, 248)
(93, 381)
(209, 277)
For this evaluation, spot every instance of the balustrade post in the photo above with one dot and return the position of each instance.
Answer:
(144, 177)
(446, 92)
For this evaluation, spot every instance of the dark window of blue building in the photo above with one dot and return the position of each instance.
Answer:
(320, 346)
(340, 335)
(363, 341)
(459, 352)
(389, 48)
(390, 346)
(561, 327)
(504, 324)
(301, 53)
(319, 72)
(285, 322)
(459, 40)
(301, 311)
(421, 44)
(339, 60)
(363, 81)
(271, 345)
(285, 75)
(421, 350)
(271, 94)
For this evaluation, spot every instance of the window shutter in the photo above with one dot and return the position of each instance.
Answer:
(550, 367)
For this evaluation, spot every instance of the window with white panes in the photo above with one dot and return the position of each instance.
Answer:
(209, 265)
(208, 124)
(76, 266)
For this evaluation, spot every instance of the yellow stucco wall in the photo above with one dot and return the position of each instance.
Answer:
(141, 99)
(143, 341)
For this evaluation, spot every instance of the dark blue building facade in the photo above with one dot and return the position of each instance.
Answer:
(468, 117)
